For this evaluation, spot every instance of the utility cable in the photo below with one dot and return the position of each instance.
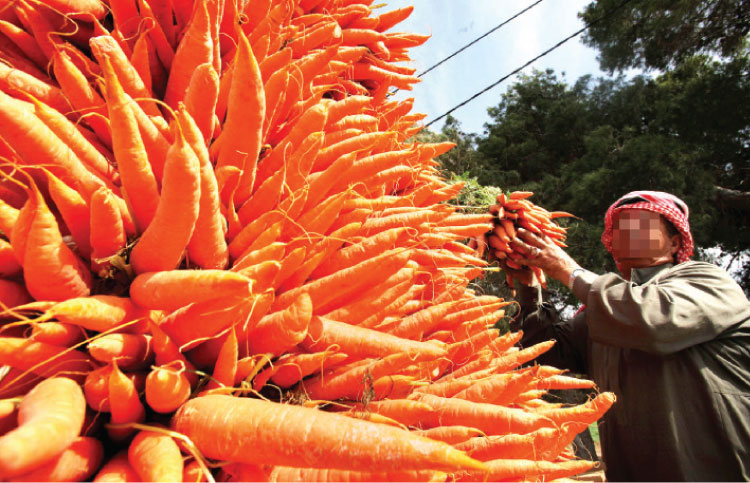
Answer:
(481, 37)
(519, 69)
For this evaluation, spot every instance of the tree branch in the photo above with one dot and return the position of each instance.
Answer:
(733, 199)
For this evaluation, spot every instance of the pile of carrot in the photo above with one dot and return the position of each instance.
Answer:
(515, 210)
(223, 257)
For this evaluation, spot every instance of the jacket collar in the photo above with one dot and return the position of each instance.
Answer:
(642, 275)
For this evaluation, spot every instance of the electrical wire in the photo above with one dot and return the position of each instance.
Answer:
(519, 69)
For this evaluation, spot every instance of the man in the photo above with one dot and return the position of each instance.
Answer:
(669, 336)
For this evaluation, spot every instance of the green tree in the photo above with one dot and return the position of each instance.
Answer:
(662, 34)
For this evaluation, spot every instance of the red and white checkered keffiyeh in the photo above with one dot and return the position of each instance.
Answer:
(669, 206)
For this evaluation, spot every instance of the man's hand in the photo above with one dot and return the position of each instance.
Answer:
(543, 253)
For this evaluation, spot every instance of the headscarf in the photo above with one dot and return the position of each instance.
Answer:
(667, 205)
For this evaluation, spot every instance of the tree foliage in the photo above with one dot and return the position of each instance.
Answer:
(662, 34)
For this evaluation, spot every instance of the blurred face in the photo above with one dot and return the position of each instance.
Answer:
(640, 238)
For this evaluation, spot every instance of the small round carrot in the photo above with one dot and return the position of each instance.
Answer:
(166, 389)
(50, 417)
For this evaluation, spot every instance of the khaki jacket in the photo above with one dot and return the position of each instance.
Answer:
(673, 344)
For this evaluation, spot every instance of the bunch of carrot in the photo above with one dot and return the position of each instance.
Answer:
(222, 257)
(513, 211)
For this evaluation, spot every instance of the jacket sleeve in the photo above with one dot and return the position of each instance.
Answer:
(693, 303)
(540, 322)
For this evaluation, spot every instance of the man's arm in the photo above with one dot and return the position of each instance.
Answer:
(692, 304)
(541, 322)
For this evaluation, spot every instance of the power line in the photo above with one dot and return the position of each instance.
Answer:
(519, 69)
(481, 37)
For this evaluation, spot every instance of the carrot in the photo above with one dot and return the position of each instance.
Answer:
(360, 143)
(281, 330)
(327, 291)
(528, 470)
(405, 411)
(77, 462)
(274, 251)
(107, 232)
(301, 429)
(243, 130)
(193, 472)
(195, 48)
(70, 135)
(288, 266)
(583, 414)
(51, 270)
(323, 333)
(8, 263)
(156, 34)
(173, 289)
(298, 366)
(207, 246)
(50, 418)
(450, 434)
(415, 325)
(166, 352)
(187, 328)
(24, 41)
(128, 350)
(225, 368)
(81, 95)
(106, 47)
(287, 473)
(265, 198)
(155, 457)
(100, 313)
(134, 167)
(155, 135)
(511, 361)
(501, 389)
(117, 469)
(141, 60)
(489, 418)
(36, 144)
(57, 333)
(74, 210)
(8, 217)
(124, 404)
(201, 97)
(166, 389)
(320, 183)
(349, 381)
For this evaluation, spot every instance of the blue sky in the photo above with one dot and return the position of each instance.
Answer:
(454, 23)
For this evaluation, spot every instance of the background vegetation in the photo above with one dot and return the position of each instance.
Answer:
(683, 126)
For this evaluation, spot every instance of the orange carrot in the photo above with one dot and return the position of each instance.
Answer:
(195, 48)
(166, 389)
(50, 417)
(124, 403)
(134, 167)
(207, 246)
(173, 289)
(286, 473)
(356, 341)
(106, 47)
(489, 418)
(225, 368)
(128, 350)
(528, 470)
(282, 330)
(117, 469)
(201, 97)
(57, 333)
(107, 233)
(99, 313)
(298, 366)
(155, 457)
(242, 132)
(193, 472)
(511, 361)
(77, 462)
(450, 434)
(8, 263)
(262, 420)
(74, 210)
(327, 291)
